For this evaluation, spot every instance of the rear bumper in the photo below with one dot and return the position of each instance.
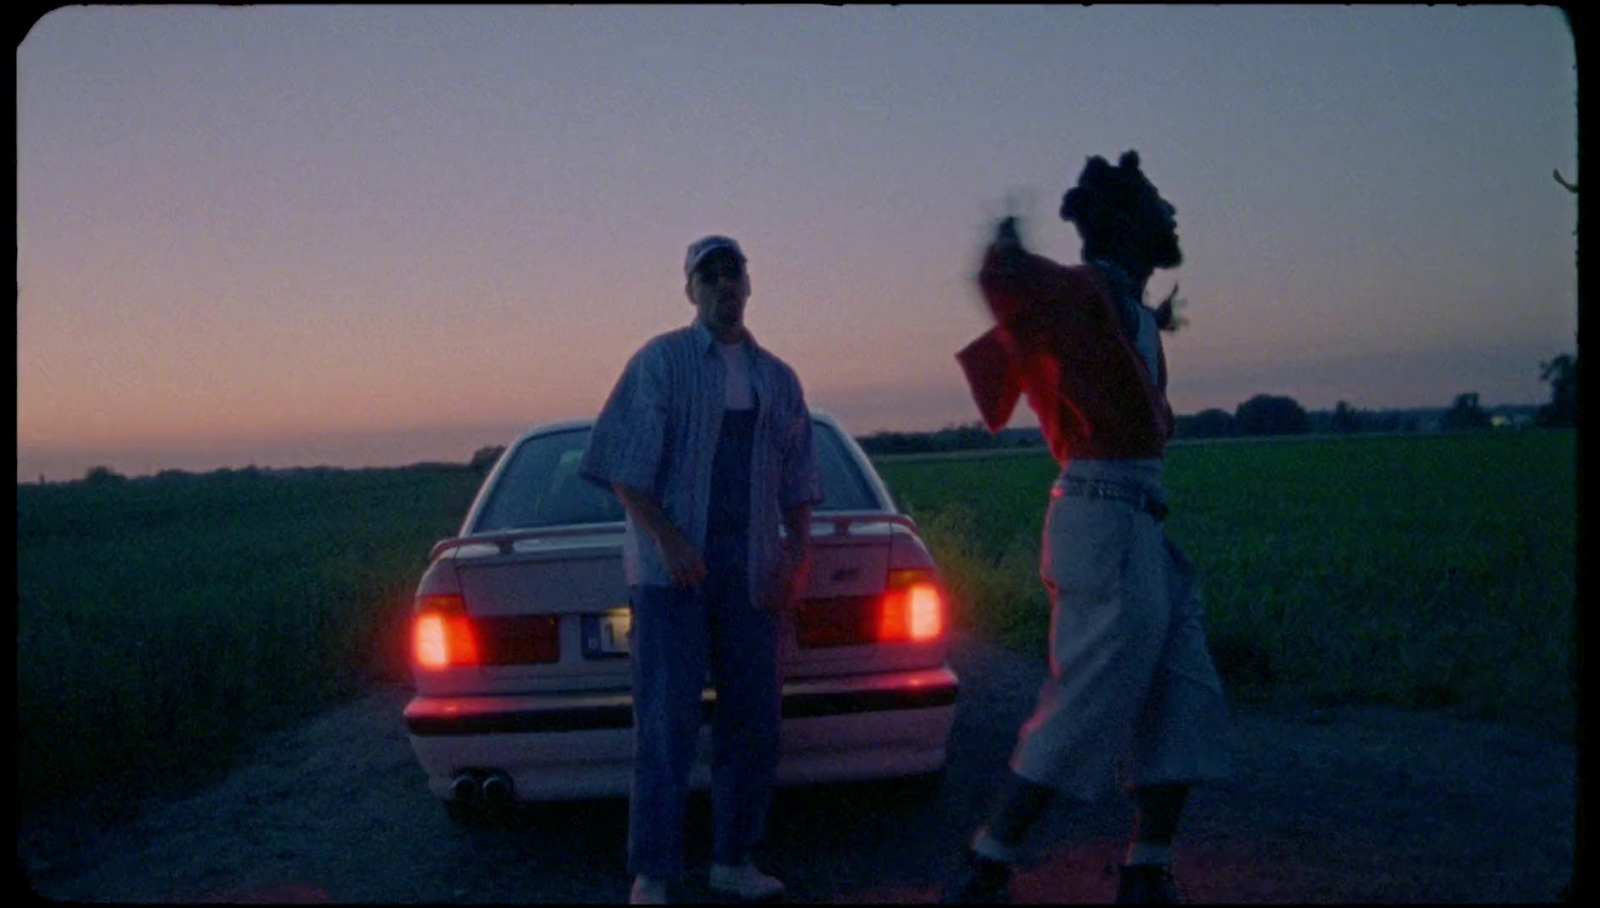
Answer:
(581, 745)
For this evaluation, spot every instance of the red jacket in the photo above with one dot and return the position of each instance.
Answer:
(1060, 341)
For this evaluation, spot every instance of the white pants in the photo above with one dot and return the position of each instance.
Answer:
(1132, 690)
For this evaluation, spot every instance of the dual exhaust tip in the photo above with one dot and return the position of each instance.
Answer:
(492, 790)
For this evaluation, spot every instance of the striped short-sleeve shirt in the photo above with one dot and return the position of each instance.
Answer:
(658, 433)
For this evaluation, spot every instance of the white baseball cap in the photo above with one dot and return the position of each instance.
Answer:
(699, 249)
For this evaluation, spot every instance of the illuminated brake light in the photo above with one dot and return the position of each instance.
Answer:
(441, 635)
(911, 609)
(927, 612)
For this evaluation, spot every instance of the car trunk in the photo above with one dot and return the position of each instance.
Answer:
(580, 580)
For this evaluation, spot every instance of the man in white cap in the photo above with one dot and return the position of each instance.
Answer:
(706, 439)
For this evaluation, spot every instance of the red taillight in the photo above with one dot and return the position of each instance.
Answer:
(442, 634)
(911, 609)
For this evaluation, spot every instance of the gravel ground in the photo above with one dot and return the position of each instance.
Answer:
(1345, 804)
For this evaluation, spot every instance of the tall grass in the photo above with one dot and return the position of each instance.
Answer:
(163, 622)
(1427, 571)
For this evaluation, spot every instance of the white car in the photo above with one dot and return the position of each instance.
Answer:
(520, 638)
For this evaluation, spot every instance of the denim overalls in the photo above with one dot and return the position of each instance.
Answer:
(676, 635)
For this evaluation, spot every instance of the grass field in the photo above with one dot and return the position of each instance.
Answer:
(1429, 571)
(161, 623)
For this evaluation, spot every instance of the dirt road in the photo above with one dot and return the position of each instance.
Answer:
(1349, 804)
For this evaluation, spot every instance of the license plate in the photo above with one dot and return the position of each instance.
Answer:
(606, 635)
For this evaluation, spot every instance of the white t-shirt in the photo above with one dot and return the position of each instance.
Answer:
(1145, 342)
(738, 372)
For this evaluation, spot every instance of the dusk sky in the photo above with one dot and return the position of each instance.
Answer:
(369, 236)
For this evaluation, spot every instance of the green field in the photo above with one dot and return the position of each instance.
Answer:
(1428, 571)
(163, 622)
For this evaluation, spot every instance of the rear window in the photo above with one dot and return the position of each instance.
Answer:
(843, 486)
(540, 486)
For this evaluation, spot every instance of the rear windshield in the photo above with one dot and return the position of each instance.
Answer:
(540, 486)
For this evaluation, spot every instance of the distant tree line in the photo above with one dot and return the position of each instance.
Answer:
(966, 437)
(106, 476)
(1265, 414)
(1561, 374)
(485, 457)
(1260, 416)
(1268, 415)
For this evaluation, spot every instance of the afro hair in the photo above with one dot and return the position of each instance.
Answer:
(1103, 190)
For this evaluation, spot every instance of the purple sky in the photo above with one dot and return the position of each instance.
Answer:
(377, 235)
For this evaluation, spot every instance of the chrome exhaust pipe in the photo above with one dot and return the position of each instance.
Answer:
(464, 789)
(497, 791)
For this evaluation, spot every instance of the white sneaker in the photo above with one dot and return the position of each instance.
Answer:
(744, 881)
(647, 890)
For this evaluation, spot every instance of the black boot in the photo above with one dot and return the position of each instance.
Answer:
(1146, 884)
(978, 881)
(1020, 805)
(981, 880)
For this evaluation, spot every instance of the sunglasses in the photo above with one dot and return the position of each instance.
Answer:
(711, 271)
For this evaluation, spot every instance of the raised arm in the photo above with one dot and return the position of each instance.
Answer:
(1036, 302)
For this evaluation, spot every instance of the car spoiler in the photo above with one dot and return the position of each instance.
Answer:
(841, 521)
(838, 522)
(504, 540)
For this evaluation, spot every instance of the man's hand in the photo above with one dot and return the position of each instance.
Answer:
(1007, 244)
(683, 561)
(789, 576)
(1167, 317)
(788, 579)
(1008, 233)
(685, 565)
